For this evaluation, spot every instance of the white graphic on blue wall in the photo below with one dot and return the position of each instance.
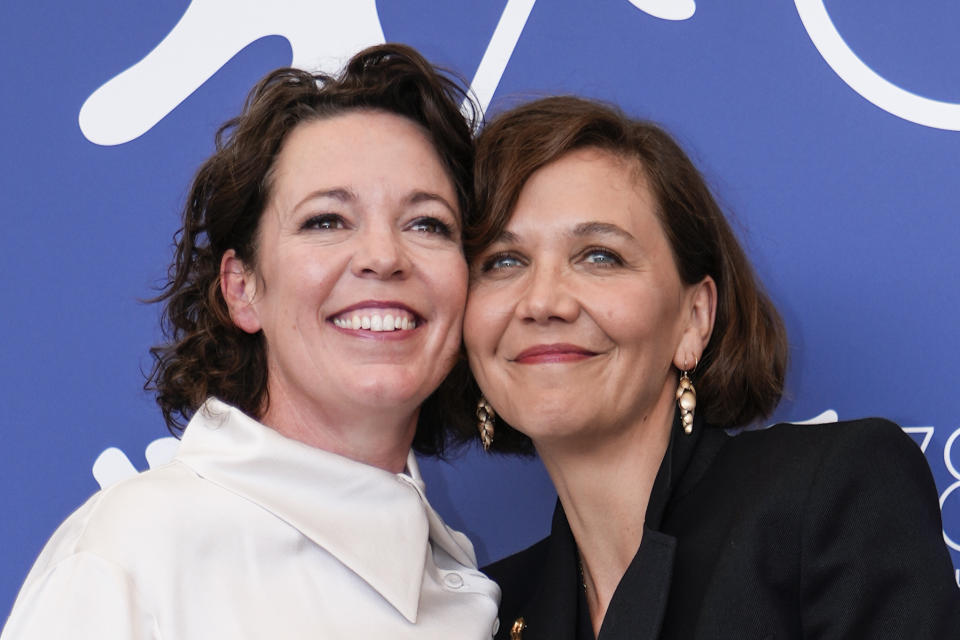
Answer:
(950, 498)
(211, 32)
(208, 35)
(865, 81)
(113, 465)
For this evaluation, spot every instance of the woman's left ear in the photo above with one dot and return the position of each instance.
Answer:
(701, 313)
(238, 285)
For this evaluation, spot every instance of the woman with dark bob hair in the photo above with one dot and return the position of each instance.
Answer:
(313, 307)
(615, 326)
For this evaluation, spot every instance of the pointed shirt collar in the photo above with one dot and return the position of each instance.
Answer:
(377, 523)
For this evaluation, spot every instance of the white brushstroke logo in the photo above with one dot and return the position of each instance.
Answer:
(113, 465)
(865, 81)
(948, 458)
(322, 35)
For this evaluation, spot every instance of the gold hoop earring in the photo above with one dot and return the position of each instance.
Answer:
(485, 421)
(686, 400)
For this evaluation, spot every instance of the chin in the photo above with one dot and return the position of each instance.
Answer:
(394, 392)
(547, 423)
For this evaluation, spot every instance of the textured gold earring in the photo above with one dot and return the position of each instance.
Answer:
(516, 631)
(485, 420)
(687, 401)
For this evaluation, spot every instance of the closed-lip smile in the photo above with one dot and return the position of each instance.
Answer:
(550, 353)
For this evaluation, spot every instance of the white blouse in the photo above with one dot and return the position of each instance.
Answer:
(248, 534)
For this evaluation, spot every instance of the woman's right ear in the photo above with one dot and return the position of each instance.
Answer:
(238, 284)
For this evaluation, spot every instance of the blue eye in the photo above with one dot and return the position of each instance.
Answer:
(500, 261)
(602, 257)
(325, 222)
(431, 225)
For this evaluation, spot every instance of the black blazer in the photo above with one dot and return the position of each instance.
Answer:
(797, 531)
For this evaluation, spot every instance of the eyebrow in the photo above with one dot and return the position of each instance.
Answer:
(339, 193)
(601, 228)
(506, 237)
(428, 196)
(579, 231)
(343, 194)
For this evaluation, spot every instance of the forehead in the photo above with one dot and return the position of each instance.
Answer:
(586, 184)
(368, 152)
(335, 142)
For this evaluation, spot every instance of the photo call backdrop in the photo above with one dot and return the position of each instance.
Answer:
(830, 131)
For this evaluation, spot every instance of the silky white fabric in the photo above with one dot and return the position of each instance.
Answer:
(248, 534)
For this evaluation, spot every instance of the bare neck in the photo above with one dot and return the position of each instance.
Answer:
(604, 486)
(380, 439)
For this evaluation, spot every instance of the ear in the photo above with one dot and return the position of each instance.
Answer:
(238, 284)
(701, 312)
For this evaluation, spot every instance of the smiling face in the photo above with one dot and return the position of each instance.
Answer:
(360, 281)
(577, 312)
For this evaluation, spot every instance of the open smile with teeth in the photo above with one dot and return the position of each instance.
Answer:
(377, 320)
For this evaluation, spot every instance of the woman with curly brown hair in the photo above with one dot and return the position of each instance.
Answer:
(313, 308)
(615, 325)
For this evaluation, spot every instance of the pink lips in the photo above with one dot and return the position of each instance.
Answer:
(548, 353)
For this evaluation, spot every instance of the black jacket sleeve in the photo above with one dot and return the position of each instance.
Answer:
(873, 562)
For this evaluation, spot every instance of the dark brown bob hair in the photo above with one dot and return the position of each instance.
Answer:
(741, 373)
(205, 353)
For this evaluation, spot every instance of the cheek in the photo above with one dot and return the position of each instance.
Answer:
(645, 328)
(477, 325)
(448, 282)
(299, 285)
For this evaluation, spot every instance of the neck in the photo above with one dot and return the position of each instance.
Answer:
(378, 438)
(608, 481)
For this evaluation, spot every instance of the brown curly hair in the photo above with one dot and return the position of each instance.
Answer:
(740, 375)
(205, 353)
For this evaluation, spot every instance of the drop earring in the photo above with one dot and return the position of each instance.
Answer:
(485, 420)
(686, 400)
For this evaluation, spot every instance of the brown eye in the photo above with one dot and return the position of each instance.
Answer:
(325, 222)
(431, 225)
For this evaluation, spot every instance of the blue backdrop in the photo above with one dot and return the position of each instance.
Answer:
(830, 131)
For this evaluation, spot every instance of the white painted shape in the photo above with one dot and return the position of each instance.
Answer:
(112, 466)
(500, 48)
(824, 418)
(161, 451)
(947, 449)
(927, 434)
(667, 9)
(322, 35)
(866, 82)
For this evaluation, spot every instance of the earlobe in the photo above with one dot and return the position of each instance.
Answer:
(238, 287)
(702, 313)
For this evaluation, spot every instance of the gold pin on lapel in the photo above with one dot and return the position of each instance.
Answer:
(516, 631)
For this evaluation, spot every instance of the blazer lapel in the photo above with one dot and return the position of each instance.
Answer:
(551, 614)
(637, 607)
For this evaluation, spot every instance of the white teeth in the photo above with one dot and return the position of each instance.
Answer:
(375, 322)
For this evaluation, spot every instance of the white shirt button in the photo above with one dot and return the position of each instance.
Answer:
(453, 580)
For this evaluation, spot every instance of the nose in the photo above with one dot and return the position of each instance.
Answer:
(547, 297)
(380, 254)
